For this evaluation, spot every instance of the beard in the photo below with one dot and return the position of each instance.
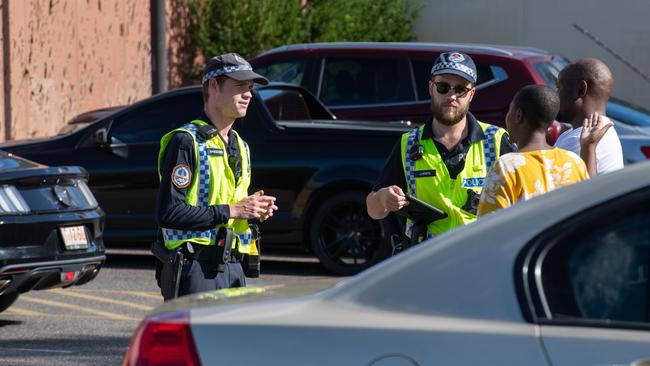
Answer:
(449, 118)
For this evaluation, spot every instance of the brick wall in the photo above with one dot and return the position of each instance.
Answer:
(70, 56)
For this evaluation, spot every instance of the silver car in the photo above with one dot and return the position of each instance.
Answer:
(561, 279)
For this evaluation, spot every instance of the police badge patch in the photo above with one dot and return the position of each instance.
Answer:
(181, 176)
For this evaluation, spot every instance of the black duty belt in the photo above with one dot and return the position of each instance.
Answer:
(204, 252)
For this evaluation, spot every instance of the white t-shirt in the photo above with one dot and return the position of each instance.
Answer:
(609, 153)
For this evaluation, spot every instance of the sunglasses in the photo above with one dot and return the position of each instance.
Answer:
(444, 88)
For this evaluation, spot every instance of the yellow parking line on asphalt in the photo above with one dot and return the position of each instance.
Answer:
(148, 294)
(21, 311)
(100, 313)
(100, 299)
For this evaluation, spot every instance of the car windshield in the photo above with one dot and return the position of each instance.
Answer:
(72, 127)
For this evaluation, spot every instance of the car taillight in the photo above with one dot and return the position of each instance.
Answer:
(11, 202)
(646, 151)
(164, 339)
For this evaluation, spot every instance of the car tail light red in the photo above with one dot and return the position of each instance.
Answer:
(646, 151)
(164, 339)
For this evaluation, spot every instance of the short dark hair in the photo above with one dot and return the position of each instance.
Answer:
(539, 105)
(220, 80)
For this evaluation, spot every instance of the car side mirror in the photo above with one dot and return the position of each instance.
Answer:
(100, 137)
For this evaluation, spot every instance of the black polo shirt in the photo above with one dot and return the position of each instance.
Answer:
(454, 159)
(172, 211)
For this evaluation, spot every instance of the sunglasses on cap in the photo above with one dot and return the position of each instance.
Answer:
(444, 88)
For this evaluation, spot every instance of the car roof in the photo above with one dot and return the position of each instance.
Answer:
(497, 50)
(480, 257)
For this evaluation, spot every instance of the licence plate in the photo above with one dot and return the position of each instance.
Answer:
(74, 237)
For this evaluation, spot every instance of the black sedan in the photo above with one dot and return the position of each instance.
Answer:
(50, 228)
(318, 167)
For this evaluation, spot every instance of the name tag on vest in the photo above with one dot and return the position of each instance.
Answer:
(216, 152)
(424, 173)
(473, 182)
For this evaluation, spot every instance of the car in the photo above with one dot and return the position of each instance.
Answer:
(319, 168)
(389, 81)
(351, 79)
(561, 279)
(50, 228)
(632, 124)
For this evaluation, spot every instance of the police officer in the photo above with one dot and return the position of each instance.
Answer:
(443, 163)
(204, 169)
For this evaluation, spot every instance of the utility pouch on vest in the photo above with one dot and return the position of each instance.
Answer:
(251, 261)
(223, 247)
(170, 273)
(418, 235)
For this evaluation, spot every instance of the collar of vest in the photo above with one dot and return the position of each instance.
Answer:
(474, 130)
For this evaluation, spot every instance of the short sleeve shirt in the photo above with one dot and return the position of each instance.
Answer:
(522, 175)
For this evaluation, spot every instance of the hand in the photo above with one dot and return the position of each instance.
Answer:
(593, 130)
(392, 198)
(255, 206)
(270, 208)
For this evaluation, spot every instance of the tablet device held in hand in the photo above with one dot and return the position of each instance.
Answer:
(421, 212)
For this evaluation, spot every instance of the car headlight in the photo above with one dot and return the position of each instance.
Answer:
(11, 201)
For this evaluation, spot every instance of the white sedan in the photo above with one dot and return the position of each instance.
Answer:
(559, 280)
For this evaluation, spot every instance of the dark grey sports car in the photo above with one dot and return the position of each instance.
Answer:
(50, 228)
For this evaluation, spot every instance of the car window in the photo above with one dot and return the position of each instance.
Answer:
(549, 70)
(349, 81)
(422, 73)
(285, 71)
(285, 105)
(150, 122)
(599, 271)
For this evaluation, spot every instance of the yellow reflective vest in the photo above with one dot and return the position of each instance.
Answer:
(208, 189)
(436, 187)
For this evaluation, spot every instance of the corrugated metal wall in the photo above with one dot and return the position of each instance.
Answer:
(69, 56)
(621, 25)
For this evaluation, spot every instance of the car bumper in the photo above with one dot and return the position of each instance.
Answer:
(34, 257)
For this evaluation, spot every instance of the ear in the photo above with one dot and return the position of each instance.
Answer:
(431, 88)
(519, 115)
(582, 89)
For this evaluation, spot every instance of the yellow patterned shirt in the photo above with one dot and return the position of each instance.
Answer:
(523, 175)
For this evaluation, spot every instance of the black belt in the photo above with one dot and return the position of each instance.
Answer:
(204, 252)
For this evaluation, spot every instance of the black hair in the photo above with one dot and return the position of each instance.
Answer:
(539, 105)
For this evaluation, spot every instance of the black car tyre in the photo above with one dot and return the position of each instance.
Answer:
(345, 239)
(6, 300)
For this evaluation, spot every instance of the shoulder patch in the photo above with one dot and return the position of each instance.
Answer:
(181, 176)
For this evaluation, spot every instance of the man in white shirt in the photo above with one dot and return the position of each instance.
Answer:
(584, 88)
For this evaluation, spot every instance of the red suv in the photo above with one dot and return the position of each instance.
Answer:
(388, 81)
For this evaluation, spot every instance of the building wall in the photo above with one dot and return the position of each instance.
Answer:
(70, 56)
(621, 25)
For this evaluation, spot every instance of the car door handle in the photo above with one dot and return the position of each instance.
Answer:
(645, 362)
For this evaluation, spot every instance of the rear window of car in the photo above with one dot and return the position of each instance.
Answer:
(354, 81)
(422, 74)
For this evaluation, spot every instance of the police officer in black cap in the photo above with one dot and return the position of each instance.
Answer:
(444, 162)
(203, 203)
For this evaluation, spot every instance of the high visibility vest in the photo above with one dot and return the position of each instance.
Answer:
(208, 189)
(437, 188)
